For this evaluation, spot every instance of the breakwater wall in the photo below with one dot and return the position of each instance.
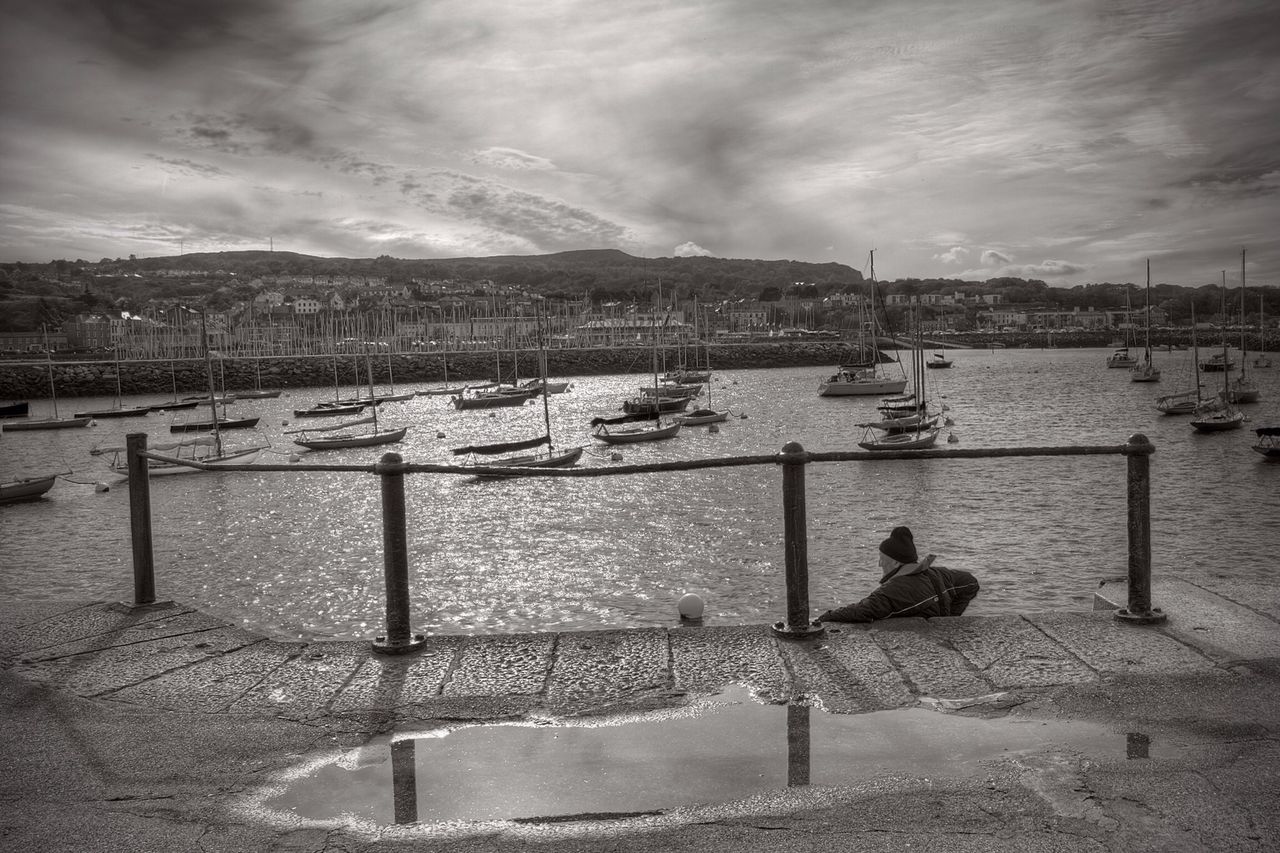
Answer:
(30, 380)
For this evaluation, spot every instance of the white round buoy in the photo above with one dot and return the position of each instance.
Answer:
(101, 487)
(440, 434)
(690, 606)
(293, 457)
(284, 423)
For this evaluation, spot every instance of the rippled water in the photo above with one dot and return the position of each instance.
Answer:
(299, 554)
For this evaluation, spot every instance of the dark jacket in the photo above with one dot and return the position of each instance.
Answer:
(915, 589)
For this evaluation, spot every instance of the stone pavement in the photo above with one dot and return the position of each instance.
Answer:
(150, 728)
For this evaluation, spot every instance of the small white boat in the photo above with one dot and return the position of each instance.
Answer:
(701, 417)
(618, 431)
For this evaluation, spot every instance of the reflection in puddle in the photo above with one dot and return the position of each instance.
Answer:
(724, 749)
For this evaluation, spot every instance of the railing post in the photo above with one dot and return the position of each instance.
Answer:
(144, 566)
(1140, 610)
(395, 560)
(795, 546)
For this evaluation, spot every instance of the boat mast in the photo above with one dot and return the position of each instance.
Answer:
(1195, 352)
(53, 392)
(1148, 346)
(1243, 353)
(542, 369)
(208, 369)
(373, 401)
(1226, 373)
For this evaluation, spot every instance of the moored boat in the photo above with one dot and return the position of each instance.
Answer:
(27, 489)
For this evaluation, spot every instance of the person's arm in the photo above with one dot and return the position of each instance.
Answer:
(875, 606)
(964, 587)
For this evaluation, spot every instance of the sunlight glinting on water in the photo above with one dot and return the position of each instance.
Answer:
(299, 555)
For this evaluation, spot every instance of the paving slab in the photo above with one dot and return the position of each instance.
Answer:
(845, 672)
(1225, 629)
(216, 684)
(387, 681)
(708, 659)
(929, 664)
(1011, 652)
(1111, 646)
(593, 669)
(501, 666)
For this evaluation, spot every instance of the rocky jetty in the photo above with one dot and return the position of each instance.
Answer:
(30, 381)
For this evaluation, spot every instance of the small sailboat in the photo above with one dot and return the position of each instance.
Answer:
(118, 410)
(865, 378)
(206, 449)
(1185, 402)
(915, 429)
(1146, 370)
(551, 457)
(1242, 389)
(1217, 414)
(54, 422)
(342, 435)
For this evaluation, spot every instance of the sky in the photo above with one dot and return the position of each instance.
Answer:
(1068, 141)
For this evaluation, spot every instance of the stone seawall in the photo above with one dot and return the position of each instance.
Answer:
(30, 381)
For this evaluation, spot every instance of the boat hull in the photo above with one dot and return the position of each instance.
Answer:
(207, 426)
(861, 388)
(903, 441)
(338, 442)
(49, 423)
(30, 489)
(636, 435)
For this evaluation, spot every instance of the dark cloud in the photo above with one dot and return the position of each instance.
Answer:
(191, 167)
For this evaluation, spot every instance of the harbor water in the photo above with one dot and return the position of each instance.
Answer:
(299, 554)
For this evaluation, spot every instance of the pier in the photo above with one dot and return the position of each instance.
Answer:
(150, 724)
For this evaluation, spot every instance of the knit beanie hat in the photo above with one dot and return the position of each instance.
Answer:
(900, 545)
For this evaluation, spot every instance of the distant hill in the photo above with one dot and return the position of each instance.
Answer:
(598, 271)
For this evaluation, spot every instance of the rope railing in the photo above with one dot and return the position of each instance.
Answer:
(793, 458)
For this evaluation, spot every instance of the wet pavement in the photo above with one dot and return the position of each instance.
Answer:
(164, 728)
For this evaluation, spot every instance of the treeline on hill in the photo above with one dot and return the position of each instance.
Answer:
(35, 294)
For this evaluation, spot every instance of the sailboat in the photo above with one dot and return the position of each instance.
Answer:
(1217, 414)
(1242, 389)
(642, 423)
(258, 392)
(1185, 402)
(207, 449)
(1262, 359)
(1122, 357)
(1146, 370)
(54, 422)
(706, 414)
(118, 410)
(915, 430)
(216, 422)
(865, 378)
(334, 438)
(444, 389)
(549, 458)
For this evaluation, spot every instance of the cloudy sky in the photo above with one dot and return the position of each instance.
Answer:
(1065, 140)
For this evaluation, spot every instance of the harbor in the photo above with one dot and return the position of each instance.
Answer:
(294, 555)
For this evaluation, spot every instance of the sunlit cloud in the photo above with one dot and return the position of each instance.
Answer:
(690, 250)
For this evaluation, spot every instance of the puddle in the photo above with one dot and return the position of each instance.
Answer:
(726, 748)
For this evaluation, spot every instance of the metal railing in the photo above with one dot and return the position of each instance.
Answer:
(793, 458)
